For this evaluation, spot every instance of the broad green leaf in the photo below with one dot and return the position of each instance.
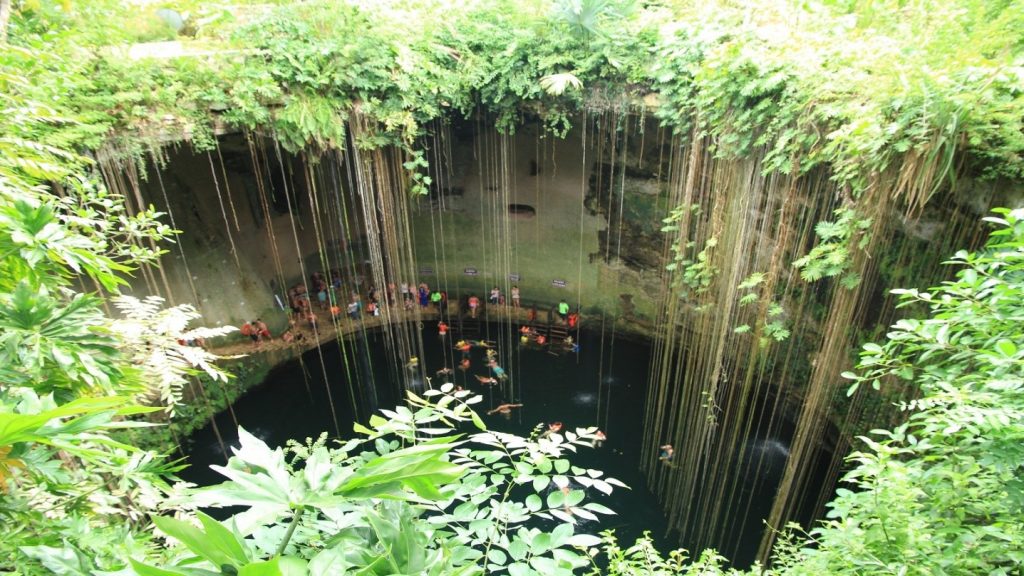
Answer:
(265, 568)
(195, 540)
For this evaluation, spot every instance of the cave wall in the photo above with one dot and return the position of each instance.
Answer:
(224, 261)
(468, 239)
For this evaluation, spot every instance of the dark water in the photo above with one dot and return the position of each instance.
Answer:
(604, 385)
(293, 403)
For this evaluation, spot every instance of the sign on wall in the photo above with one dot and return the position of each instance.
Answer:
(426, 271)
(471, 272)
(558, 283)
(514, 277)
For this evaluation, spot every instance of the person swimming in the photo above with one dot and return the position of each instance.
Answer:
(486, 380)
(504, 409)
(553, 428)
(666, 454)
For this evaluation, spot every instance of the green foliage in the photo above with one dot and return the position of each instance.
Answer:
(831, 257)
(413, 497)
(642, 558)
(690, 274)
(693, 274)
(70, 494)
(752, 281)
(774, 328)
(943, 492)
(917, 92)
(416, 166)
(813, 84)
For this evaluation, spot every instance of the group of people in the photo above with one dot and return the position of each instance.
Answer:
(528, 335)
(323, 290)
(465, 346)
(321, 294)
(497, 298)
(257, 331)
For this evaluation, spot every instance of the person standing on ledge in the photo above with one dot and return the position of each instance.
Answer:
(495, 296)
(249, 329)
(563, 309)
(262, 329)
(424, 294)
(474, 303)
(667, 452)
(515, 296)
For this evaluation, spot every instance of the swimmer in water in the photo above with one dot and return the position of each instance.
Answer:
(446, 371)
(464, 365)
(666, 454)
(553, 428)
(565, 494)
(504, 409)
(485, 380)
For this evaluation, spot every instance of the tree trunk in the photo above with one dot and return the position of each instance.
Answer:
(5, 17)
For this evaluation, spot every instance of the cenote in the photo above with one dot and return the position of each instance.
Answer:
(603, 385)
(712, 319)
(762, 222)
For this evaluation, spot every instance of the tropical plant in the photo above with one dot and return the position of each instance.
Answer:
(942, 493)
(71, 495)
(921, 91)
(831, 257)
(414, 496)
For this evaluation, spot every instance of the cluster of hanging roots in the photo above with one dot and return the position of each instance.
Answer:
(712, 390)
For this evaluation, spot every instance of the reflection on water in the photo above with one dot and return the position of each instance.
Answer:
(584, 399)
